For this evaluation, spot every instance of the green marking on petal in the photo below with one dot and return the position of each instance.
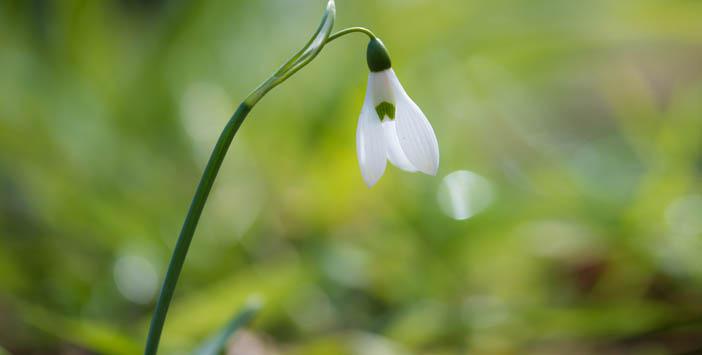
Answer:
(385, 109)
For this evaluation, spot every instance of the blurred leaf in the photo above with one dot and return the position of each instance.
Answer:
(217, 343)
(193, 315)
(83, 332)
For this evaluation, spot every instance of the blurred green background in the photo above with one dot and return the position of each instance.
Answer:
(566, 217)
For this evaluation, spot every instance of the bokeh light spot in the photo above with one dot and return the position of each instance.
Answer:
(684, 215)
(135, 278)
(463, 194)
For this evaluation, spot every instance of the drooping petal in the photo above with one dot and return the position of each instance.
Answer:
(417, 137)
(370, 143)
(394, 151)
(415, 133)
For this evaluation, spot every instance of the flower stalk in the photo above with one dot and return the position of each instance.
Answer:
(175, 266)
(191, 220)
(411, 146)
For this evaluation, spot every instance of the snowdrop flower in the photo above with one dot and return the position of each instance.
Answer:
(391, 126)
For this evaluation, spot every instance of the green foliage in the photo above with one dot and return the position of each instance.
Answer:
(217, 344)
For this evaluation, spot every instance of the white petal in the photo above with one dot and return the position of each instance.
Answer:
(380, 87)
(394, 151)
(370, 144)
(416, 135)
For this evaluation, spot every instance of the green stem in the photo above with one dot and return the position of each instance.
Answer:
(198, 203)
(297, 66)
(346, 31)
(175, 266)
(186, 234)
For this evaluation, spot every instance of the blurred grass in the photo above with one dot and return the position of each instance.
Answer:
(586, 119)
(218, 342)
(98, 337)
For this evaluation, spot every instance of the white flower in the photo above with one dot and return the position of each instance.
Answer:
(392, 127)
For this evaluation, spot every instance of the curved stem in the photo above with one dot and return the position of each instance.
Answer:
(293, 60)
(346, 31)
(292, 66)
(202, 192)
(186, 233)
(297, 66)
